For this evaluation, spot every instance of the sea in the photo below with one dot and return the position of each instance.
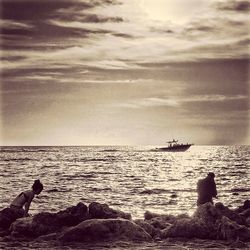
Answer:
(133, 179)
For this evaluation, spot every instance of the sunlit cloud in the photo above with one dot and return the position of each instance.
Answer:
(137, 61)
(178, 101)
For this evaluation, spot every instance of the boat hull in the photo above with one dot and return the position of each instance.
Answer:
(176, 148)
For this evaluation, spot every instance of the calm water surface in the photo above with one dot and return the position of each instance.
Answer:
(132, 179)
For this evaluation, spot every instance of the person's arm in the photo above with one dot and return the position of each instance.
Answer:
(198, 187)
(27, 204)
(214, 190)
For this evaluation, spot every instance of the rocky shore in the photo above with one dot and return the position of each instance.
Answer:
(97, 223)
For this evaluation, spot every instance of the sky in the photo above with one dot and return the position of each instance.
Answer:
(124, 72)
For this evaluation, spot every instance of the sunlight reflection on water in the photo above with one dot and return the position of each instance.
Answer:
(133, 179)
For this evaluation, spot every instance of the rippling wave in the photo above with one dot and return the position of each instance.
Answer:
(133, 179)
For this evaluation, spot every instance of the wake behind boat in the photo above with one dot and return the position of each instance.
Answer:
(174, 146)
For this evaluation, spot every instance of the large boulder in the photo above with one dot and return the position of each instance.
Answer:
(208, 222)
(228, 230)
(96, 230)
(8, 216)
(188, 228)
(162, 221)
(245, 214)
(232, 215)
(245, 206)
(153, 231)
(200, 225)
(103, 211)
(24, 227)
(47, 223)
(68, 217)
(207, 213)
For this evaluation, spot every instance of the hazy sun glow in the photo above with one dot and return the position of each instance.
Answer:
(124, 72)
(177, 11)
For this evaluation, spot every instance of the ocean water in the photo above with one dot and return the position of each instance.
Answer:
(132, 179)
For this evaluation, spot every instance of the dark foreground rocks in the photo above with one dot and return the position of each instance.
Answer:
(98, 223)
(105, 230)
(46, 223)
(208, 222)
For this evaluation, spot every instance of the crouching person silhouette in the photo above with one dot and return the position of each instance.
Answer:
(24, 199)
(206, 189)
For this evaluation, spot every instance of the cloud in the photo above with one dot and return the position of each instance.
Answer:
(29, 19)
(32, 10)
(180, 101)
(112, 35)
(233, 5)
(149, 102)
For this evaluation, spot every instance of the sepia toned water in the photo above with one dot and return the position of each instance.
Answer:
(132, 179)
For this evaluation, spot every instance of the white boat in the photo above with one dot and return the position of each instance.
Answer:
(174, 146)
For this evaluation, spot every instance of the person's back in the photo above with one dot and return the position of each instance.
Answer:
(24, 199)
(206, 189)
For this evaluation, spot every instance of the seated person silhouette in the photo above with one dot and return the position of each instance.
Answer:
(25, 198)
(206, 189)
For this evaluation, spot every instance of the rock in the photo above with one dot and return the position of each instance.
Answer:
(245, 206)
(103, 211)
(68, 217)
(159, 222)
(96, 230)
(245, 213)
(149, 215)
(248, 222)
(228, 229)
(207, 213)
(201, 225)
(151, 230)
(208, 223)
(232, 215)
(162, 221)
(173, 196)
(7, 216)
(188, 228)
(47, 223)
(4, 233)
(23, 227)
(48, 237)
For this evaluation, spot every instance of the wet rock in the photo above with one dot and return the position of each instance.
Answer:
(8, 216)
(153, 231)
(68, 217)
(188, 228)
(103, 211)
(248, 222)
(228, 229)
(245, 213)
(162, 221)
(245, 206)
(208, 223)
(46, 223)
(4, 233)
(48, 237)
(173, 196)
(201, 225)
(232, 215)
(149, 215)
(96, 230)
(235, 193)
(23, 227)
(207, 213)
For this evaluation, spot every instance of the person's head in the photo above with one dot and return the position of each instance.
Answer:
(37, 187)
(211, 175)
